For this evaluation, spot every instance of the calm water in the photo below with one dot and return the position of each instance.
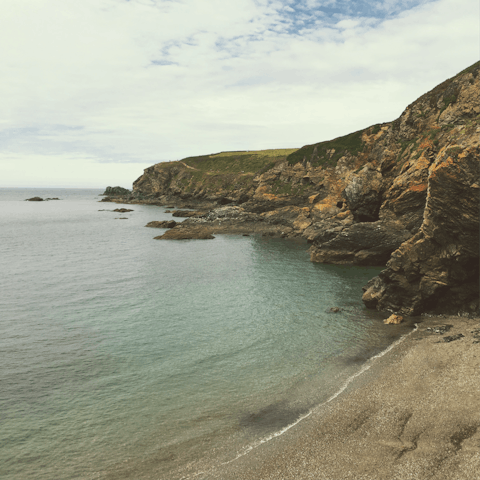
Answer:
(127, 357)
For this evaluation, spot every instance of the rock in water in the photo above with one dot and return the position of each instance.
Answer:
(187, 233)
(123, 210)
(116, 191)
(393, 320)
(35, 199)
(162, 224)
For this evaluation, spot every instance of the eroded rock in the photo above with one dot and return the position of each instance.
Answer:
(187, 233)
(116, 191)
(162, 224)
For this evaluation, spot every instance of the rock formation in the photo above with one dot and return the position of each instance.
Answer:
(162, 224)
(403, 194)
(116, 191)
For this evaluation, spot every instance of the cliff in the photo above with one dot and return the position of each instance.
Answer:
(403, 194)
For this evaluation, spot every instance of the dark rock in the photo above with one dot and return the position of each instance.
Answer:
(162, 224)
(359, 244)
(452, 338)
(186, 233)
(185, 213)
(372, 292)
(116, 191)
(476, 335)
(439, 329)
(363, 195)
(35, 199)
(55, 198)
(437, 270)
(334, 310)
(123, 210)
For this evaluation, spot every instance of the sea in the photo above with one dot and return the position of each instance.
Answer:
(126, 357)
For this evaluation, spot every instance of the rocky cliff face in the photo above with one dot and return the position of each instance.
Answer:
(403, 194)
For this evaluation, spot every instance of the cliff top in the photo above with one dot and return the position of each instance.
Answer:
(250, 161)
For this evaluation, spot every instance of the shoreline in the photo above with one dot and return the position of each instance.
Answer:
(414, 412)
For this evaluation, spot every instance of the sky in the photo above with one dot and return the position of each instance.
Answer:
(95, 91)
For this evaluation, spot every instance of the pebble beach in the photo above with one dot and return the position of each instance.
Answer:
(413, 414)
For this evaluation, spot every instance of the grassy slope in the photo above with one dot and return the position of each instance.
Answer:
(237, 162)
(328, 153)
(233, 170)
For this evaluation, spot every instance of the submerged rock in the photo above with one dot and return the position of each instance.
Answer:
(34, 199)
(123, 210)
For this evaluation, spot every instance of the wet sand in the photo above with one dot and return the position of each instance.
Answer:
(414, 414)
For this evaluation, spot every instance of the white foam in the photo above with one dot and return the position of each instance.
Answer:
(344, 386)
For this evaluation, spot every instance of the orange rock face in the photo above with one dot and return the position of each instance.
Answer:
(393, 320)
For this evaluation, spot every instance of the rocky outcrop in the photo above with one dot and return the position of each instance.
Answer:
(393, 320)
(359, 244)
(116, 191)
(186, 213)
(403, 194)
(437, 269)
(35, 199)
(182, 232)
(162, 224)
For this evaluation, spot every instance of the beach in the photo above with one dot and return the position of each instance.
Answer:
(414, 413)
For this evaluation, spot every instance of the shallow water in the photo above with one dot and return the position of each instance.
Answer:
(127, 357)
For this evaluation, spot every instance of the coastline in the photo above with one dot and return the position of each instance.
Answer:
(415, 413)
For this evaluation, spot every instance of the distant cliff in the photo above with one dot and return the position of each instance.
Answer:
(404, 194)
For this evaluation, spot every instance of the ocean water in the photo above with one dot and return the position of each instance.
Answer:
(127, 357)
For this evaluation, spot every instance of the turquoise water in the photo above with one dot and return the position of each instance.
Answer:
(127, 357)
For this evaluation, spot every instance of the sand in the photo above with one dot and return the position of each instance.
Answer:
(414, 414)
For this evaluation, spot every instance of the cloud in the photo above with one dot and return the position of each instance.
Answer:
(148, 81)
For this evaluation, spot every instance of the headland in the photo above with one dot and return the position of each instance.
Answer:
(403, 194)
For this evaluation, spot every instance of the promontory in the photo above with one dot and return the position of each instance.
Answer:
(402, 194)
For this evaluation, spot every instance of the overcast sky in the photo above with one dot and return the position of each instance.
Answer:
(94, 91)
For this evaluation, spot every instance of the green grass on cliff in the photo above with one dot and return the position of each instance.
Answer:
(237, 162)
(321, 153)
